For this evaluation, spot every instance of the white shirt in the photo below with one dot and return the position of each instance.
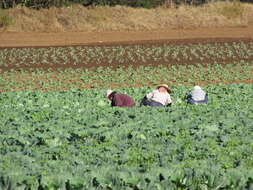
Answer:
(198, 94)
(161, 97)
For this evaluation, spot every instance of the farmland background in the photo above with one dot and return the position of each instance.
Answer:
(59, 132)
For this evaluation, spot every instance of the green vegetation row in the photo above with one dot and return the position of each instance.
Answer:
(75, 140)
(126, 76)
(140, 3)
(125, 55)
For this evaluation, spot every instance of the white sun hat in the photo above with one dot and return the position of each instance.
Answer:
(108, 93)
(197, 87)
(197, 93)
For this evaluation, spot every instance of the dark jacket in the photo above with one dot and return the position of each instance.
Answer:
(122, 100)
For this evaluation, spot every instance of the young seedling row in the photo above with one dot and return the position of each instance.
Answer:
(95, 56)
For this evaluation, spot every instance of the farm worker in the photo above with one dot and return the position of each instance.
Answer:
(119, 99)
(197, 95)
(158, 97)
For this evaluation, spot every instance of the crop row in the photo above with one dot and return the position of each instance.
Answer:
(75, 140)
(125, 77)
(131, 54)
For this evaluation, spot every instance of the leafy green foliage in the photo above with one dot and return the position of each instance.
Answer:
(74, 140)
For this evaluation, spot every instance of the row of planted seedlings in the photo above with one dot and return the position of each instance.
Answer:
(118, 54)
(126, 76)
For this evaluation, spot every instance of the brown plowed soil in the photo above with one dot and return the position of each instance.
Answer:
(29, 39)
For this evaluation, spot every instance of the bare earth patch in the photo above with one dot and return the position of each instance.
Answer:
(38, 39)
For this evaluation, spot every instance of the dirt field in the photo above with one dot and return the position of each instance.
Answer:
(12, 39)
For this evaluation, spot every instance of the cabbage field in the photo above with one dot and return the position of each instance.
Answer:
(58, 132)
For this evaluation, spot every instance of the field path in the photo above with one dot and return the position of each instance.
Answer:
(29, 39)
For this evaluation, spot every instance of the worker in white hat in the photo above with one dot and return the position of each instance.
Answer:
(197, 95)
(158, 97)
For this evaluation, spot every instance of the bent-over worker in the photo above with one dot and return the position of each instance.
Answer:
(197, 95)
(158, 97)
(119, 99)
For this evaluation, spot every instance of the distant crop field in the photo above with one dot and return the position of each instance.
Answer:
(125, 55)
(58, 132)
